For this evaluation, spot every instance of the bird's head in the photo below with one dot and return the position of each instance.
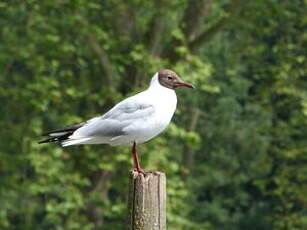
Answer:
(170, 79)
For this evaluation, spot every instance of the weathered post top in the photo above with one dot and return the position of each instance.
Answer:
(147, 201)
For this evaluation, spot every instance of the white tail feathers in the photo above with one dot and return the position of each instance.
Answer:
(57, 134)
(80, 141)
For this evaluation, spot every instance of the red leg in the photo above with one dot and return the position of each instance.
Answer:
(136, 162)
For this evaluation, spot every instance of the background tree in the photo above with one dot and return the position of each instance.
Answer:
(235, 153)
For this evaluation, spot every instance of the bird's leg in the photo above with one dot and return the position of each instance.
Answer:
(136, 162)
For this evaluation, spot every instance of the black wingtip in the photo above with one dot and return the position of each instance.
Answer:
(47, 140)
(65, 133)
(55, 139)
(67, 130)
(41, 142)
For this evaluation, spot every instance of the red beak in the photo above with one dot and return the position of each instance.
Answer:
(185, 84)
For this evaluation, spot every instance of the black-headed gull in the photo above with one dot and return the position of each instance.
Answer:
(134, 120)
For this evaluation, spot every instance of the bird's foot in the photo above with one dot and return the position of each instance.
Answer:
(142, 171)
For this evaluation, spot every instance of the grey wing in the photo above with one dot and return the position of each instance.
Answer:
(117, 120)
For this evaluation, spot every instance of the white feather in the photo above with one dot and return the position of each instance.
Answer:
(75, 141)
(57, 134)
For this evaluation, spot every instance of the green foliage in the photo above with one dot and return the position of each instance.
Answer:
(235, 153)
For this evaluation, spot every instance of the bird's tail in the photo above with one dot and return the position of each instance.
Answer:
(60, 134)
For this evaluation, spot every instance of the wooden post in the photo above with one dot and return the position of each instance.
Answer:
(147, 201)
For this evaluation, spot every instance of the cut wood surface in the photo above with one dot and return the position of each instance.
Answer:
(147, 201)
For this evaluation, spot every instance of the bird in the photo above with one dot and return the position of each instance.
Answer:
(135, 120)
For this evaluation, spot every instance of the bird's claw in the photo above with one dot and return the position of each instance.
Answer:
(142, 171)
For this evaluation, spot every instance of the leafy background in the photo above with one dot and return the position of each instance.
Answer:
(235, 152)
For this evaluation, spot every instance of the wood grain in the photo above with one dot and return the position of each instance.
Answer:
(147, 201)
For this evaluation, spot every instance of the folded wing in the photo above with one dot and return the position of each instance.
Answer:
(121, 120)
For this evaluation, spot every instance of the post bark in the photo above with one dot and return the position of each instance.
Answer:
(147, 201)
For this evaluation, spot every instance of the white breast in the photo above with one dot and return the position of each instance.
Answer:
(164, 101)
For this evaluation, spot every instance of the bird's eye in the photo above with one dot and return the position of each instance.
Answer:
(169, 77)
